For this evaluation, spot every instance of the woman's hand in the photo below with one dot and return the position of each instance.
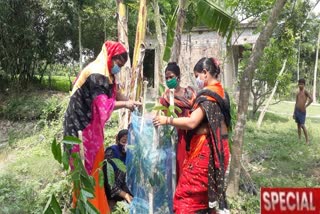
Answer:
(130, 104)
(160, 120)
(128, 198)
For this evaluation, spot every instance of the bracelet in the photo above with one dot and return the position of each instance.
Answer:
(171, 120)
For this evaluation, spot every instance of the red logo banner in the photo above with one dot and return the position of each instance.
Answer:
(290, 200)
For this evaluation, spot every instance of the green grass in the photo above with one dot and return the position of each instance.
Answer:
(273, 155)
(288, 107)
(58, 83)
(30, 105)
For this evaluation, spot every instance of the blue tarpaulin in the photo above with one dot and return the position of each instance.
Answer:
(149, 166)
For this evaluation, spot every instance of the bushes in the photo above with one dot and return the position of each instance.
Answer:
(31, 106)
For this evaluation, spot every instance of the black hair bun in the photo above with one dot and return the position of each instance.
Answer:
(172, 63)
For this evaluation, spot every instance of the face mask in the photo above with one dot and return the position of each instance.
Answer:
(172, 83)
(123, 148)
(116, 69)
(200, 83)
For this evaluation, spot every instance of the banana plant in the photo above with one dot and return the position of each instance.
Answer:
(210, 13)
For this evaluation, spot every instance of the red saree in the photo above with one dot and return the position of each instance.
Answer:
(201, 185)
(185, 103)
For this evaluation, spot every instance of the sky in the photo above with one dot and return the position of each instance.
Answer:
(316, 10)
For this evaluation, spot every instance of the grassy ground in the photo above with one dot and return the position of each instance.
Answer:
(29, 175)
(284, 107)
(275, 157)
(58, 83)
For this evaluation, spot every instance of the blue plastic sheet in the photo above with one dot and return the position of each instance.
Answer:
(149, 166)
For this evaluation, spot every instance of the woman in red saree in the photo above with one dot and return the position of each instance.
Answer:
(94, 97)
(201, 187)
(184, 99)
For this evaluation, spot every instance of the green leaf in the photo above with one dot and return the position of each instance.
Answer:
(176, 108)
(110, 174)
(170, 36)
(47, 208)
(65, 160)
(101, 178)
(160, 108)
(87, 182)
(75, 175)
(52, 206)
(171, 109)
(174, 115)
(215, 17)
(87, 194)
(151, 181)
(119, 164)
(56, 150)
(162, 88)
(91, 209)
(71, 140)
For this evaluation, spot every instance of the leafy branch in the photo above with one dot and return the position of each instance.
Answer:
(83, 184)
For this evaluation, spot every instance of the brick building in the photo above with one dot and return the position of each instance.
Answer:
(201, 42)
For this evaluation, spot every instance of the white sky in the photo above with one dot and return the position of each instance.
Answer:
(316, 10)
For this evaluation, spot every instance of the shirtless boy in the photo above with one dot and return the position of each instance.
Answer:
(303, 100)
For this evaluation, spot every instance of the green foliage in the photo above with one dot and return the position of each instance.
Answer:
(111, 129)
(233, 114)
(110, 170)
(244, 203)
(52, 206)
(277, 158)
(57, 83)
(110, 174)
(212, 14)
(83, 184)
(121, 207)
(215, 17)
(170, 110)
(31, 107)
(41, 33)
(170, 36)
(119, 164)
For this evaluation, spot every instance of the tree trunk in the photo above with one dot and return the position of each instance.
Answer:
(158, 74)
(138, 53)
(264, 110)
(254, 106)
(126, 69)
(181, 16)
(315, 71)
(245, 86)
(80, 34)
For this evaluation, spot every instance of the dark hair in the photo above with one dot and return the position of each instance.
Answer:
(121, 133)
(122, 57)
(303, 81)
(209, 64)
(172, 66)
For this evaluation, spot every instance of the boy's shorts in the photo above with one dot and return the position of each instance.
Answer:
(299, 116)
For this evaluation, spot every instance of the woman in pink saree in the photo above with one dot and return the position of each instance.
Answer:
(93, 98)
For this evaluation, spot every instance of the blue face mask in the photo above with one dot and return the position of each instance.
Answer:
(115, 69)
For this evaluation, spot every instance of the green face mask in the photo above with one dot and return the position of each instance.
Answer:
(172, 83)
